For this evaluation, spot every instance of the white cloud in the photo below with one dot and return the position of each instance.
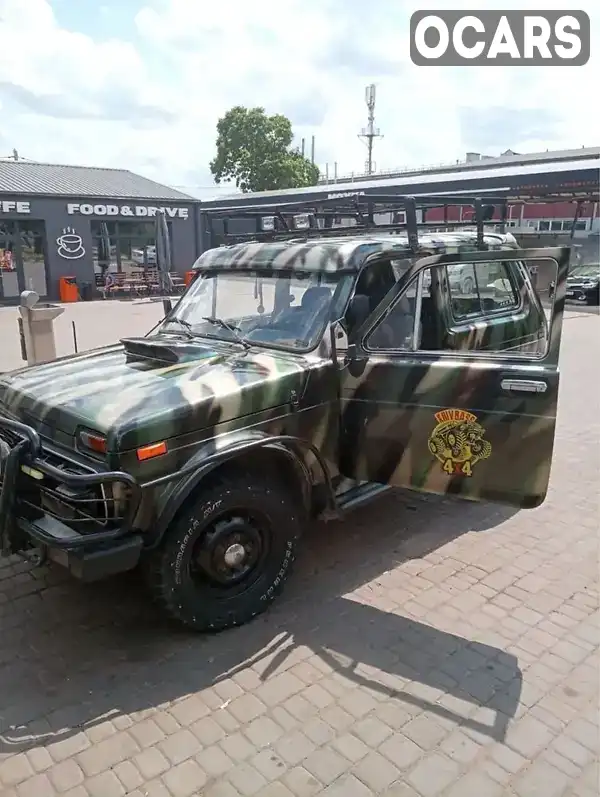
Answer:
(151, 104)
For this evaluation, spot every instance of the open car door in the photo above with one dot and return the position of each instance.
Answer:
(477, 422)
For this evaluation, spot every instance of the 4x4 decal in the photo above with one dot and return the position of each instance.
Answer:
(457, 441)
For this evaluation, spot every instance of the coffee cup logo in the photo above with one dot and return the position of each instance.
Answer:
(70, 244)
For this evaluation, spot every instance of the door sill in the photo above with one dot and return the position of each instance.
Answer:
(355, 496)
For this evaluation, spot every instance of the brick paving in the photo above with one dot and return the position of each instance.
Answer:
(424, 648)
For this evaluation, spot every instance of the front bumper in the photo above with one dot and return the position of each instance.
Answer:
(588, 294)
(35, 494)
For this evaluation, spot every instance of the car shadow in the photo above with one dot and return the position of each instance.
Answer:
(82, 654)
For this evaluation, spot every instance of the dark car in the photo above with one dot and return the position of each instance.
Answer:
(293, 380)
(583, 285)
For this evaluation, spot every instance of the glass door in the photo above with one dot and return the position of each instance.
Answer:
(32, 258)
(9, 276)
(22, 259)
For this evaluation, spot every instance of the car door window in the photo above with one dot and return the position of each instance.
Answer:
(477, 307)
(373, 284)
(477, 289)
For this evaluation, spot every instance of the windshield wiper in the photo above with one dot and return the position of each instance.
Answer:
(185, 324)
(235, 331)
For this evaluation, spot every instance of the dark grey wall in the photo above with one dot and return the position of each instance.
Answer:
(54, 212)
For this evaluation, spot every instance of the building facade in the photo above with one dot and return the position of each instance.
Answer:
(52, 219)
(55, 219)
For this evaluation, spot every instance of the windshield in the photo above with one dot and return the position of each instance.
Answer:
(585, 271)
(285, 310)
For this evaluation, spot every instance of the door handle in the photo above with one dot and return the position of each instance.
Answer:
(524, 385)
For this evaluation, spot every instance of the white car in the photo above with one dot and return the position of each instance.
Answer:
(461, 278)
(137, 255)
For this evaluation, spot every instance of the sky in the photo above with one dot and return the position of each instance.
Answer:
(141, 84)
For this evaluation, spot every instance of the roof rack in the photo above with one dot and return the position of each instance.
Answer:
(301, 219)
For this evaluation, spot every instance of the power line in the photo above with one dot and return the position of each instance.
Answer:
(370, 132)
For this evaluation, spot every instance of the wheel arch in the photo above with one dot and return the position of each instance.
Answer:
(280, 457)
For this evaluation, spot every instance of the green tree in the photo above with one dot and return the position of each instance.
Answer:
(256, 151)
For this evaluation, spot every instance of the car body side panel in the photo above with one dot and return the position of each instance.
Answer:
(392, 410)
(313, 425)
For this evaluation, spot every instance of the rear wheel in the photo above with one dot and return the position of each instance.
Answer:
(224, 560)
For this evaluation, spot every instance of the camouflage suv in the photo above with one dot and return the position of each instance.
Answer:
(293, 380)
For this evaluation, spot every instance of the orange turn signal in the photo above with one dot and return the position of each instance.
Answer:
(93, 442)
(151, 451)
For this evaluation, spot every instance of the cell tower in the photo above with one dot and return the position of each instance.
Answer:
(369, 133)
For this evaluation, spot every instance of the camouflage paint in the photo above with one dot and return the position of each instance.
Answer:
(389, 402)
(334, 255)
(371, 417)
(109, 392)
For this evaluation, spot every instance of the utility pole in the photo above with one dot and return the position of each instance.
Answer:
(14, 156)
(369, 133)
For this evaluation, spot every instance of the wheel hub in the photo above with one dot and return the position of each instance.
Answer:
(229, 551)
(234, 555)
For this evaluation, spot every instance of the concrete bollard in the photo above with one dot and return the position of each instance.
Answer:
(37, 322)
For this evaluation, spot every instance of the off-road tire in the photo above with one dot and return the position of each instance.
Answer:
(167, 569)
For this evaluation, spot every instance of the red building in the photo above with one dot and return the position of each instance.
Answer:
(540, 217)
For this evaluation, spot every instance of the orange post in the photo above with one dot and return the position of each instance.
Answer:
(67, 289)
(188, 277)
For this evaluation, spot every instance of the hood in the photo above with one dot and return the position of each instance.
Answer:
(584, 274)
(169, 386)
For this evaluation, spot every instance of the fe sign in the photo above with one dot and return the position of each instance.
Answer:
(13, 206)
(125, 211)
(500, 38)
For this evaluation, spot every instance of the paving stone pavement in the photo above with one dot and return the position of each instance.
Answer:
(424, 648)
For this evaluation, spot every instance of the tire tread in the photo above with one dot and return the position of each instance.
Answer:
(156, 563)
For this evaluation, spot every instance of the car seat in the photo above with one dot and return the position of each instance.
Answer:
(395, 328)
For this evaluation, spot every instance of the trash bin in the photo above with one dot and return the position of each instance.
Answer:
(86, 292)
(188, 277)
(67, 289)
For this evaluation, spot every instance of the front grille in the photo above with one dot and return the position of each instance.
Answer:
(84, 508)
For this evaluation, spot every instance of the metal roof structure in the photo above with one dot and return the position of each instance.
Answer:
(50, 179)
(508, 158)
(392, 214)
(472, 179)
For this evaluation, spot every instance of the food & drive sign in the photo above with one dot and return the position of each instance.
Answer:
(125, 211)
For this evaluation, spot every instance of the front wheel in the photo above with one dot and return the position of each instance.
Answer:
(227, 557)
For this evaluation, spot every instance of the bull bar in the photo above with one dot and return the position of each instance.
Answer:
(88, 556)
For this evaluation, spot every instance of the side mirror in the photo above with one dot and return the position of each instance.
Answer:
(355, 360)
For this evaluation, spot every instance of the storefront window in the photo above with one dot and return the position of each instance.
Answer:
(9, 285)
(22, 259)
(132, 245)
(32, 235)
